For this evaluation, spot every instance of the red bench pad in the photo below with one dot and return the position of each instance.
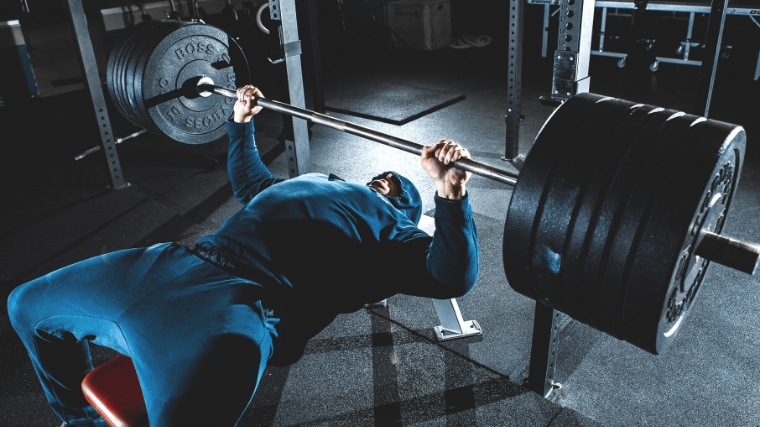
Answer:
(114, 391)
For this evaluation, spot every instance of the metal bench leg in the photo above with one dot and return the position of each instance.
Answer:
(452, 325)
(379, 304)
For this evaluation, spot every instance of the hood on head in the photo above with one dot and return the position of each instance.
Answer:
(409, 202)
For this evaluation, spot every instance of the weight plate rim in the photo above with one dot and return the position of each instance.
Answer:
(706, 139)
(112, 73)
(112, 70)
(137, 45)
(123, 62)
(138, 39)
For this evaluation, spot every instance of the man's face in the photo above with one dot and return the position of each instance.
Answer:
(386, 186)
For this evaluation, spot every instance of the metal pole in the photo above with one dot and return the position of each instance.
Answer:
(711, 55)
(545, 36)
(468, 165)
(571, 60)
(514, 79)
(299, 158)
(602, 29)
(95, 88)
(543, 351)
(313, 59)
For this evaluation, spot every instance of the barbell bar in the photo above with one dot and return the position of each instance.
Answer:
(615, 216)
(86, 153)
(205, 87)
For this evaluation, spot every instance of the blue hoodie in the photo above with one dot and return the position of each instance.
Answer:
(326, 246)
(409, 202)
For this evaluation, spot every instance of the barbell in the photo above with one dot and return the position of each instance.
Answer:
(615, 217)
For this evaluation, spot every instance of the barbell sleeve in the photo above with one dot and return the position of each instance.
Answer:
(468, 165)
(732, 253)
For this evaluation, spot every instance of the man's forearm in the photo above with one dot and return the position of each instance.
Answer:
(248, 173)
(453, 258)
(449, 191)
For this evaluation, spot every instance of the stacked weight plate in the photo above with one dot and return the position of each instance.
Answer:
(609, 208)
(694, 199)
(151, 72)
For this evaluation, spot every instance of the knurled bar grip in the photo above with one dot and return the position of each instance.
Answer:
(468, 165)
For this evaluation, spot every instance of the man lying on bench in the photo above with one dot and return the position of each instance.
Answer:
(202, 323)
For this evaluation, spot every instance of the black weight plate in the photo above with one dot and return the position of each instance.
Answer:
(136, 70)
(634, 211)
(138, 33)
(239, 63)
(187, 53)
(121, 62)
(141, 43)
(608, 212)
(125, 66)
(594, 190)
(113, 79)
(527, 194)
(562, 192)
(704, 178)
(112, 71)
(146, 78)
(141, 64)
(142, 61)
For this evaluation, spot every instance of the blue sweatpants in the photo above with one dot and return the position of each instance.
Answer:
(199, 337)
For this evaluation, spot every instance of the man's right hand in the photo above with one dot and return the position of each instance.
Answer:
(437, 161)
(245, 107)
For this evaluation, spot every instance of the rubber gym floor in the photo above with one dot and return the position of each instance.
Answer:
(384, 367)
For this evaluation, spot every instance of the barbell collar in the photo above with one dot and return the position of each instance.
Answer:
(468, 165)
